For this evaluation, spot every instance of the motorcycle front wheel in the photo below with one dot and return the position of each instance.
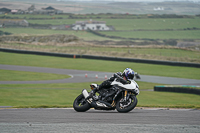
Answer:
(80, 105)
(123, 106)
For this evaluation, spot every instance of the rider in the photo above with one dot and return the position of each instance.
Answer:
(122, 77)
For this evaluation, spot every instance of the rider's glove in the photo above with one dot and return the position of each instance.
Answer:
(120, 79)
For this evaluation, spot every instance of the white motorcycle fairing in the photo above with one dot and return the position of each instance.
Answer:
(132, 86)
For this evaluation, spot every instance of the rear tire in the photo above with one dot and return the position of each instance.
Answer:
(124, 107)
(80, 105)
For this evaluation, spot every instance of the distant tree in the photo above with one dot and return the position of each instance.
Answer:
(4, 33)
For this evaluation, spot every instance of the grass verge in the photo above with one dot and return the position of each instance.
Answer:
(64, 97)
(10, 75)
(168, 100)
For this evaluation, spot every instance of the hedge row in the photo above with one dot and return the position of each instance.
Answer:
(4, 33)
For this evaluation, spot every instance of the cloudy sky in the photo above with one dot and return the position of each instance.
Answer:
(131, 0)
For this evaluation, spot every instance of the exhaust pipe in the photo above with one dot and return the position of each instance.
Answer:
(85, 93)
(91, 101)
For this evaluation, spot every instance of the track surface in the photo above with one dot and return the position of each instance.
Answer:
(67, 120)
(79, 76)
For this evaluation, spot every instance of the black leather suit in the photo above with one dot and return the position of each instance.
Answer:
(107, 83)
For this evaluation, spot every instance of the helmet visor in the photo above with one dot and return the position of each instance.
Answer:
(130, 76)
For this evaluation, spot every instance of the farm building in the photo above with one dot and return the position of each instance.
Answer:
(158, 9)
(4, 10)
(92, 25)
(52, 10)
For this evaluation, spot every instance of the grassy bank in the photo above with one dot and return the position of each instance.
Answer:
(151, 52)
(98, 65)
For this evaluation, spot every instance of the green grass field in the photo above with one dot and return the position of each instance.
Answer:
(184, 34)
(62, 95)
(30, 31)
(37, 97)
(132, 24)
(125, 28)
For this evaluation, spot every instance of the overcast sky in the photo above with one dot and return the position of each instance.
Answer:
(131, 0)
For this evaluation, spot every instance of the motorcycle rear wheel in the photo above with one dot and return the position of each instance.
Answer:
(80, 105)
(124, 107)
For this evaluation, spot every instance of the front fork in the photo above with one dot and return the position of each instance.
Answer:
(126, 96)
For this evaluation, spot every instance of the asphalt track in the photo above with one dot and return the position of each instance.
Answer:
(67, 120)
(79, 76)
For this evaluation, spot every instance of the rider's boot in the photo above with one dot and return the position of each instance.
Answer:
(94, 91)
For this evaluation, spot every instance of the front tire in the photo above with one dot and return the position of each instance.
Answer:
(80, 105)
(124, 107)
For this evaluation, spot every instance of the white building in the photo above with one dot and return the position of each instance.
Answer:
(158, 9)
(92, 25)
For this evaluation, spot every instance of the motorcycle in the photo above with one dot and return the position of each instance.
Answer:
(121, 97)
